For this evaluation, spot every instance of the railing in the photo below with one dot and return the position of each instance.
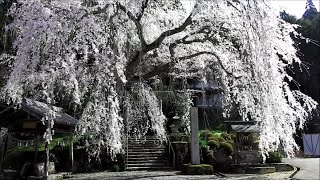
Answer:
(125, 144)
(127, 149)
(173, 154)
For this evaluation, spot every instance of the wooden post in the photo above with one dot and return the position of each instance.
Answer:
(36, 148)
(71, 152)
(195, 154)
(236, 150)
(4, 152)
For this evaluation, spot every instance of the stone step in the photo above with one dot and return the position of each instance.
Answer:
(145, 155)
(145, 143)
(146, 150)
(260, 170)
(146, 161)
(151, 153)
(152, 148)
(148, 168)
(137, 146)
(137, 158)
(138, 163)
(149, 143)
(147, 165)
(143, 138)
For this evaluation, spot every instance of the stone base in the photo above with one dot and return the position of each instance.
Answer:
(198, 169)
(247, 156)
(281, 167)
(260, 170)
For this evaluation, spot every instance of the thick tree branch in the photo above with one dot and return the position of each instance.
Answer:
(131, 66)
(165, 68)
(156, 43)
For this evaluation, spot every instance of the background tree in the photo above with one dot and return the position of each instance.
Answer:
(98, 57)
(311, 10)
(5, 38)
(307, 76)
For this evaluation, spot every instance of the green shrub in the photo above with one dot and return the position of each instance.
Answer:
(203, 143)
(219, 138)
(203, 134)
(227, 136)
(209, 134)
(198, 169)
(227, 147)
(274, 157)
(213, 144)
(115, 168)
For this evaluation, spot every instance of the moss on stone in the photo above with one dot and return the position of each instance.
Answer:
(198, 169)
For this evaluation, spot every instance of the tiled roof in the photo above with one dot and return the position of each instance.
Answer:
(43, 109)
(245, 128)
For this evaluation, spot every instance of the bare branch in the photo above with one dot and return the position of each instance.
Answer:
(143, 7)
(231, 4)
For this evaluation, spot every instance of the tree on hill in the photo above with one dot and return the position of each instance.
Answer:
(99, 57)
(311, 10)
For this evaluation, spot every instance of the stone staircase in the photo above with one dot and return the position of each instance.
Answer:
(146, 153)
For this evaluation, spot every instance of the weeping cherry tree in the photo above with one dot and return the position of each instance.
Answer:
(96, 57)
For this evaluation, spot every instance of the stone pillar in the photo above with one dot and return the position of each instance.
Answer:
(46, 162)
(195, 154)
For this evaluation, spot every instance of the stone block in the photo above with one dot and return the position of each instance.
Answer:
(281, 167)
(260, 170)
(197, 169)
(39, 169)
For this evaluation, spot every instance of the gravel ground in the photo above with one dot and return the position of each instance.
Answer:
(173, 175)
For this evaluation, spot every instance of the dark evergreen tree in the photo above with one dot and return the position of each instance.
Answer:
(288, 18)
(311, 10)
